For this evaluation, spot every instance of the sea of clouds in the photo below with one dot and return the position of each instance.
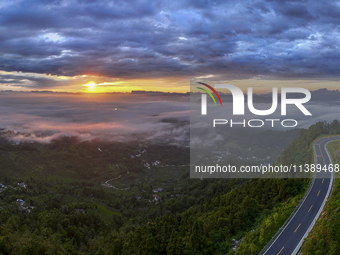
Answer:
(45, 116)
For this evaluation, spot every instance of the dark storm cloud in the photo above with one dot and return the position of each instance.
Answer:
(31, 81)
(146, 39)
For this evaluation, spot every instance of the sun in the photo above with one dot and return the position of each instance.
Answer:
(91, 85)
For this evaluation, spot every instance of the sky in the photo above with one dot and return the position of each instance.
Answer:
(120, 46)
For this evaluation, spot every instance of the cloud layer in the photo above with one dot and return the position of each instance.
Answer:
(45, 116)
(152, 39)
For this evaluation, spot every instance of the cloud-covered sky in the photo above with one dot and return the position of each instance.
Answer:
(61, 44)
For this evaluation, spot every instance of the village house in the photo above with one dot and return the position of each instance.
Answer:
(157, 190)
(156, 198)
(22, 184)
(23, 206)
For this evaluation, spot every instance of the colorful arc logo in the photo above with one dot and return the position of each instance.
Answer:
(207, 91)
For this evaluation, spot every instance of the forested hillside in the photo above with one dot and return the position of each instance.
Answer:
(300, 150)
(71, 211)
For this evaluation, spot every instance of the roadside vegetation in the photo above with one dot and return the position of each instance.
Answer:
(325, 237)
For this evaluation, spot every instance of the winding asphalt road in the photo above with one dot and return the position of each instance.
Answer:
(291, 238)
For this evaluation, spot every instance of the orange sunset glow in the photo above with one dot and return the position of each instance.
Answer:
(99, 84)
(125, 86)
